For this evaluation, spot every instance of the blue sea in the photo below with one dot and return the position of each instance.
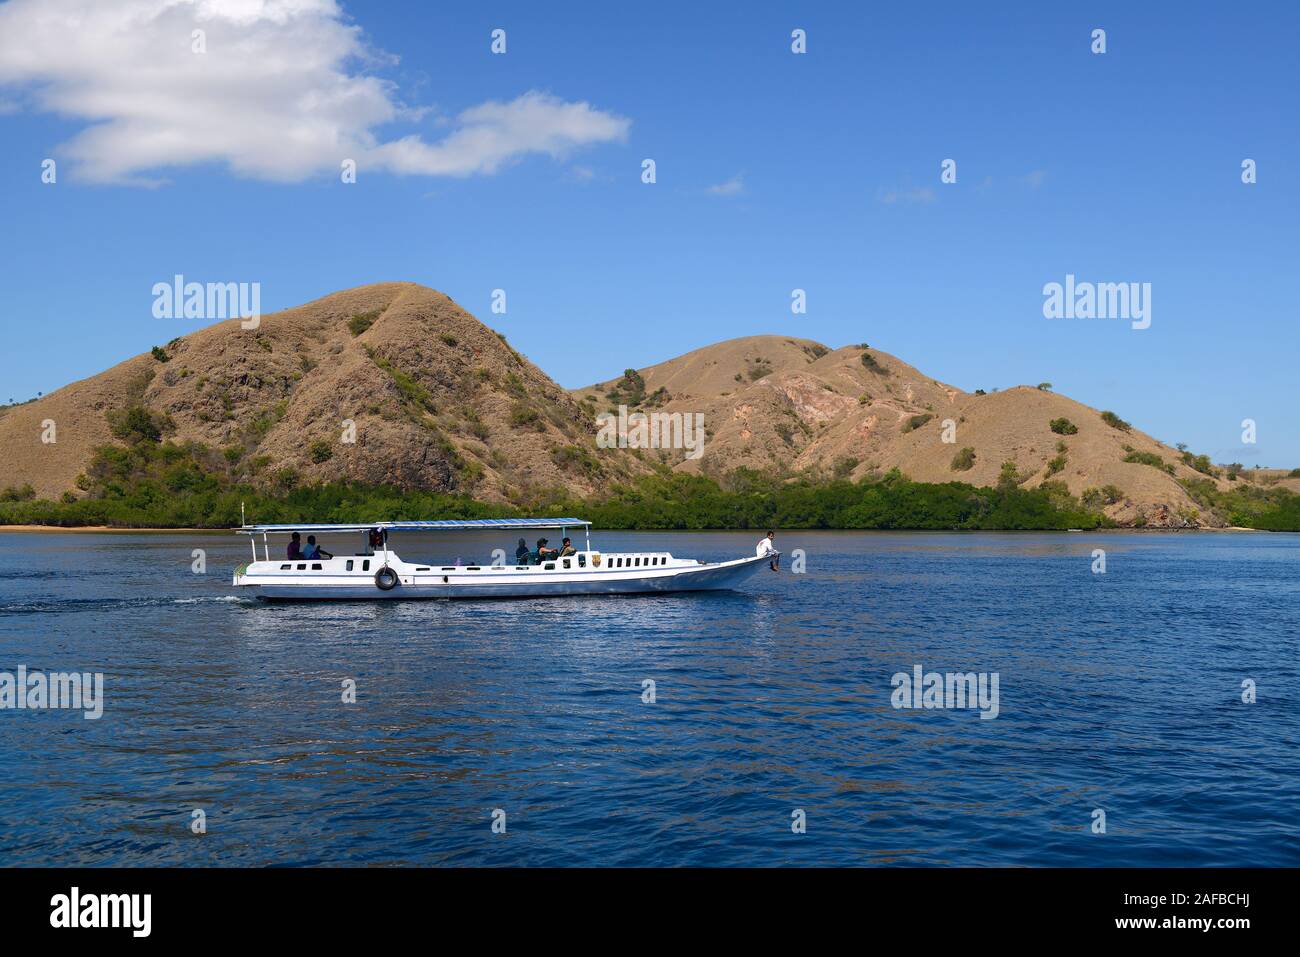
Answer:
(771, 738)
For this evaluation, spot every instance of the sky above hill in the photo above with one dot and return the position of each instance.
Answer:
(775, 171)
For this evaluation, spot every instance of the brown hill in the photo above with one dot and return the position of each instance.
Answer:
(438, 401)
(792, 406)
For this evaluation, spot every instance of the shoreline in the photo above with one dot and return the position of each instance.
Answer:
(108, 528)
(123, 530)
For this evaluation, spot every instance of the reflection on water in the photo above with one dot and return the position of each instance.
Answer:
(1118, 691)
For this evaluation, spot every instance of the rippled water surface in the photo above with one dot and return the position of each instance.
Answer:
(1119, 692)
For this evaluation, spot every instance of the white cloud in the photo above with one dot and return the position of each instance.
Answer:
(732, 187)
(1035, 178)
(914, 194)
(278, 95)
(495, 133)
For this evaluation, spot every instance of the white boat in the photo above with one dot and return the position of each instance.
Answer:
(377, 571)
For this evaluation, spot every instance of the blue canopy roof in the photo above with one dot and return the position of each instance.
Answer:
(438, 526)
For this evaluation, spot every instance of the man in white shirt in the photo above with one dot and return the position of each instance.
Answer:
(767, 550)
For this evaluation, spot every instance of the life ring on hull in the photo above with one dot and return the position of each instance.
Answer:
(386, 579)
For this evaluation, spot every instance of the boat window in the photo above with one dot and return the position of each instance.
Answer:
(549, 566)
(316, 567)
(302, 567)
(285, 567)
(582, 561)
(365, 566)
(567, 563)
(521, 568)
(350, 564)
(424, 569)
(474, 568)
(637, 561)
(448, 568)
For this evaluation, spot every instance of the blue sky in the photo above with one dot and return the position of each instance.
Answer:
(775, 171)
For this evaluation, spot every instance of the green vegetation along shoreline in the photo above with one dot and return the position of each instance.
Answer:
(656, 502)
(150, 483)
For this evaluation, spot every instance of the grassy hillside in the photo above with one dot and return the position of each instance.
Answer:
(153, 482)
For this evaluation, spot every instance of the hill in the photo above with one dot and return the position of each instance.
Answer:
(795, 407)
(395, 386)
(431, 397)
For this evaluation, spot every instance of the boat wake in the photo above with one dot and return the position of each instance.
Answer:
(70, 605)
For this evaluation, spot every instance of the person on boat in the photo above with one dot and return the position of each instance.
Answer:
(522, 554)
(295, 546)
(314, 551)
(375, 540)
(543, 553)
(767, 550)
(567, 549)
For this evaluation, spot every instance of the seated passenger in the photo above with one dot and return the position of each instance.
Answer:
(314, 552)
(522, 554)
(543, 553)
(567, 549)
(295, 547)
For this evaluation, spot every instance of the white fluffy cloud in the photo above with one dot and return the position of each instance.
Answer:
(732, 187)
(278, 95)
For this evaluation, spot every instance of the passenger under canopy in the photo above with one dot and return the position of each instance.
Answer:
(377, 532)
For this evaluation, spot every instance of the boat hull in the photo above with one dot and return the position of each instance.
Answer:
(723, 575)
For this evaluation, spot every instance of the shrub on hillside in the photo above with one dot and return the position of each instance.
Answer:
(916, 421)
(362, 321)
(137, 424)
(1150, 458)
(1063, 426)
(1009, 477)
(1200, 463)
(526, 416)
(1114, 421)
(24, 494)
(869, 361)
(964, 460)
